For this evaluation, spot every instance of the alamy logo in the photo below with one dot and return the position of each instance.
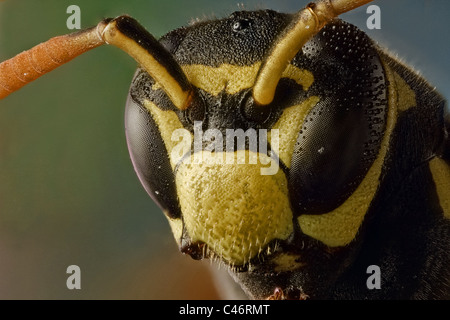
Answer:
(374, 280)
(74, 20)
(374, 21)
(211, 143)
(74, 280)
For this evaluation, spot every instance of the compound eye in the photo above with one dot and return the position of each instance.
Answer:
(341, 136)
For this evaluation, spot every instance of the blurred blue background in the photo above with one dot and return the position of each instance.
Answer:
(68, 192)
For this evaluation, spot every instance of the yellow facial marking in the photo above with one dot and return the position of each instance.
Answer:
(167, 122)
(234, 209)
(340, 226)
(226, 77)
(405, 95)
(289, 125)
(441, 176)
(233, 79)
(177, 227)
(287, 262)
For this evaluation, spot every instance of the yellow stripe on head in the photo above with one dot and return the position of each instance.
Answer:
(441, 177)
(233, 79)
(406, 96)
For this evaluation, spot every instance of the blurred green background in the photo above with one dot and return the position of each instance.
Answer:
(68, 192)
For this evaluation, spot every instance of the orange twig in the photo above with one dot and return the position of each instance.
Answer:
(31, 64)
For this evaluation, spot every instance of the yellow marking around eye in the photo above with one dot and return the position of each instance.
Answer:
(340, 226)
(303, 77)
(405, 95)
(167, 122)
(441, 176)
(234, 209)
(233, 79)
(289, 126)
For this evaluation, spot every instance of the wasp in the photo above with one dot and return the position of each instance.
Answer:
(358, 140)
